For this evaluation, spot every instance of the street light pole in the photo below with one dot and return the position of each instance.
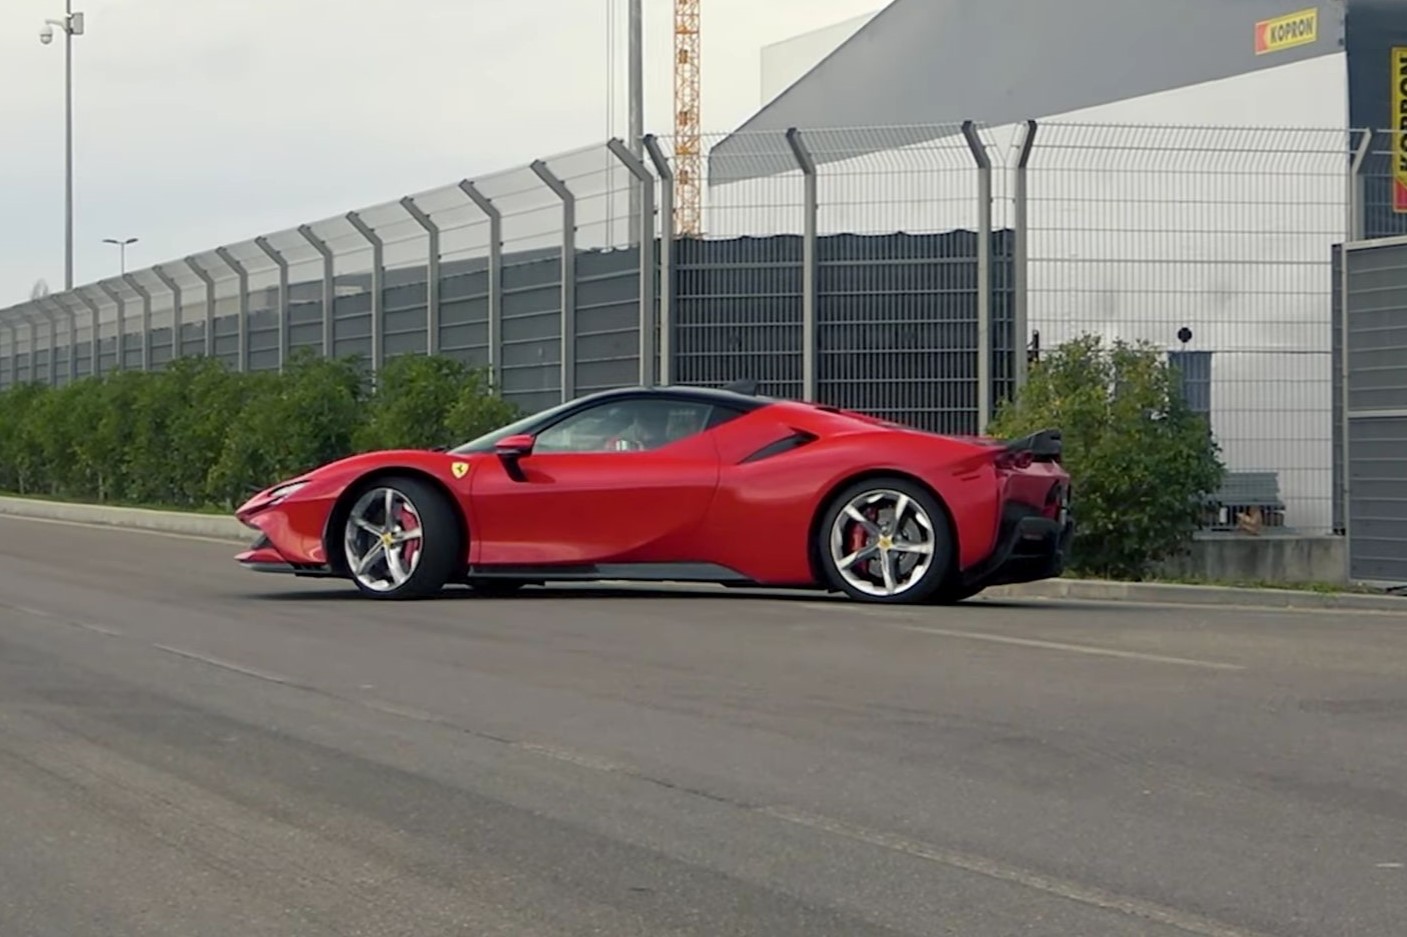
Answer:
(122, 250)
(68, 144)
(72, 25)
(636, 94)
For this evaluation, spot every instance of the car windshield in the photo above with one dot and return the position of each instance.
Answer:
(487, 441)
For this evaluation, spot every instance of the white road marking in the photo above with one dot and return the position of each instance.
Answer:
(405, 712)
(571, 757)
(223, 541)
(53, 616)
(99, 629)
(991, 638)
(1071, 891)
(225, 665)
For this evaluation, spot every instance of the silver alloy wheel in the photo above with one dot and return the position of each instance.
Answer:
(882, 543)
(383, 539)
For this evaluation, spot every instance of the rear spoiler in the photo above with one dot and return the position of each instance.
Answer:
(1044, 446)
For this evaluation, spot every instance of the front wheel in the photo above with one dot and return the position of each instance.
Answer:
(401, 540)
(886, 540)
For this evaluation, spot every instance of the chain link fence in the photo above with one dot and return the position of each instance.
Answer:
(910, 272)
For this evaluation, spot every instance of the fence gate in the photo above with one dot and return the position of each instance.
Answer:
(1374, 302)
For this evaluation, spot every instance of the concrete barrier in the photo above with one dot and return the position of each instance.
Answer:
(213, 526)
(1159, 593)
(1270, 557)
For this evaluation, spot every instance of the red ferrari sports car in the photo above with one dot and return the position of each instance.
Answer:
(680, 484)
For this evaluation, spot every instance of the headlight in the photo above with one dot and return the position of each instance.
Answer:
(283, 491)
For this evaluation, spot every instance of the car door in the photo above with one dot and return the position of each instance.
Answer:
(627, 481)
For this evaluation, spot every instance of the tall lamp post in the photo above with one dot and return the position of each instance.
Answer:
(72, 25)
(122, 250)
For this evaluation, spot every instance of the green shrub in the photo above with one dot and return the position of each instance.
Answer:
(1142, 463)
(199, 435)
(423, 402)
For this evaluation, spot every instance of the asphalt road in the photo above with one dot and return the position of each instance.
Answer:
(190, 749)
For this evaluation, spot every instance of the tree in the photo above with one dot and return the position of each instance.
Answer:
(1142, 463)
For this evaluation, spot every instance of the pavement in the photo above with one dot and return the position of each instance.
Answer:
(188, 748)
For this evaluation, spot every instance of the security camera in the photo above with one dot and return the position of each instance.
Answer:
(46, 35)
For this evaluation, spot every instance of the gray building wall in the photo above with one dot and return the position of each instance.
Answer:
(1373, 27)
(939, 62)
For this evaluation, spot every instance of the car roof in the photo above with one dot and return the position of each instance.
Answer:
(710, 395)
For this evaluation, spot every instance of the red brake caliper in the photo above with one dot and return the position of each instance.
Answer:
(857, 531)
(408, 521)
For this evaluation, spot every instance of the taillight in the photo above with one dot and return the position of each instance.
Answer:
(1014, 461)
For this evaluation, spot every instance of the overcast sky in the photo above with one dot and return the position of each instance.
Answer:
(201, 122)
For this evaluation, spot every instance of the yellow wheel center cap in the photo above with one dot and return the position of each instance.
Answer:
(387, 539)
(886, 542)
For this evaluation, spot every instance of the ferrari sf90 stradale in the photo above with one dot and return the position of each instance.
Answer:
(680, 484)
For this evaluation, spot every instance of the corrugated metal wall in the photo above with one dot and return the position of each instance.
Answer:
(897, 322)
(1376, 309)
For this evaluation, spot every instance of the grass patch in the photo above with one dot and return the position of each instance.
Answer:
(205, 510)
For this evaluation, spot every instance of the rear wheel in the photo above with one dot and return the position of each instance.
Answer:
(401, 540)
(886, 540)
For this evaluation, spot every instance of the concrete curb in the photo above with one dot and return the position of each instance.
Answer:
(213, 526)
(1095, 590)
(226, 528)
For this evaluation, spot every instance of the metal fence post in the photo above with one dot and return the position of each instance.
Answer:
(568, 321)
(209, 282)
(378, 288)
(432, 270)
(26, 311)
(13, 360)
(495, 277)
(329, 287)
(14, 330)
(283, 324)
(72, 318)
(145, 320)
(666, 258)
(176, 323)
(810, 382)
(1020, 261)
(242, 325)
(984, 274)
(646, 227)
(95, 344)
(55, 310)
(116, 297)
(1356, 224)
(53, 363)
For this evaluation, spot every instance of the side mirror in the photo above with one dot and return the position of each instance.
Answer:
(515, 447)
(512, 448)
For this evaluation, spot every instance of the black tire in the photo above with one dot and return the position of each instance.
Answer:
(929, 582)
(441, 545)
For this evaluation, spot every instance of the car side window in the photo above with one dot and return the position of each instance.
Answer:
(626, 426)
